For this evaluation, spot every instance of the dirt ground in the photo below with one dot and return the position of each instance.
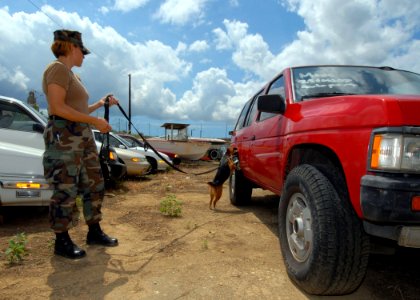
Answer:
(229, 253)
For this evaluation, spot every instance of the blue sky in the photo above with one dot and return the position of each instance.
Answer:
(198, 61)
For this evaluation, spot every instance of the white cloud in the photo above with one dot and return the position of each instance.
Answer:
(152, 63)
(360, 32)
(222, 39)
(353, 32)
(213, 97)
(181, 12)
(18, 55)
(124, 5)
(198, 46)
(17, 78)
(182, 47)
(250, 52)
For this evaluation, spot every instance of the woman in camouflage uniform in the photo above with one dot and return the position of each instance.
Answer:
(71, 162)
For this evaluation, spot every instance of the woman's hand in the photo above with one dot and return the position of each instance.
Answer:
(102, 125)
(112, 100)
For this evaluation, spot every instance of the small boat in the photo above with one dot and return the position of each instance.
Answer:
(176, 143)
(217, 147)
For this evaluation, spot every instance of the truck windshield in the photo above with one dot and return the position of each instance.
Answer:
(328, 81)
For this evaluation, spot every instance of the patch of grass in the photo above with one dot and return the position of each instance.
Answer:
(205, 245)
(170, 206)
(17, 248)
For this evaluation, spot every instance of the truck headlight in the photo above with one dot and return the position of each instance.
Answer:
(395, 152)
(411, 154)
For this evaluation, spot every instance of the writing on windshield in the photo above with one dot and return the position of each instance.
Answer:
(314, 80)
(321, 81)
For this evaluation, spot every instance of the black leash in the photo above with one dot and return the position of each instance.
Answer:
(105, 156)
(146, 143)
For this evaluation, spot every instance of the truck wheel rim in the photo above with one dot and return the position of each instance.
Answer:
(299, 227)
(232, 186)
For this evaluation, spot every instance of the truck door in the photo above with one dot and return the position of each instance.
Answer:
(249, 139)
(244, 137)
(267, 147)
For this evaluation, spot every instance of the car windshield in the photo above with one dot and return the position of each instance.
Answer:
(324, 81)
(129, 143)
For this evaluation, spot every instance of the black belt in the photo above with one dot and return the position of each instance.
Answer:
(54, 117)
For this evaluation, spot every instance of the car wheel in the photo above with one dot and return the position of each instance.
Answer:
(240, 189)
(322, 241)
(214, 154)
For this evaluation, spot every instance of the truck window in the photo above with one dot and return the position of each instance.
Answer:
(241, 119)
(253, 111)
(277, 87)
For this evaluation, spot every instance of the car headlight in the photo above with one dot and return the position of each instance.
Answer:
(395, 152)
(112, 155)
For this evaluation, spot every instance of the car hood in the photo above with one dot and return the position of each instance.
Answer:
(128, 153)
(150, 152)
(409, 108)
(354, 111)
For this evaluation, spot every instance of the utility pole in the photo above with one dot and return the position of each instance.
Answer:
(129, 103)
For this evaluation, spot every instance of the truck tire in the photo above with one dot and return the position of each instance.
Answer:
(322, 240)
(240, 189)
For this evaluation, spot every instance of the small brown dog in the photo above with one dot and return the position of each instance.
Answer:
(225, 169)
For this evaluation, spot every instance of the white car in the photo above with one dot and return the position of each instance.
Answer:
(158, 164)
(22, 176)
(21, 149)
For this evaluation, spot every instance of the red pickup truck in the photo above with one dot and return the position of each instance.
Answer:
(340, 145)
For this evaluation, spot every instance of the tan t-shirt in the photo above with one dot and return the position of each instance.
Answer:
(76, 94)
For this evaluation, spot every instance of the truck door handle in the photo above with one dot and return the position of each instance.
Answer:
(253, 138)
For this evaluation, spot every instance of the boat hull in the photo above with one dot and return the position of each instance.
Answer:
(183, 149)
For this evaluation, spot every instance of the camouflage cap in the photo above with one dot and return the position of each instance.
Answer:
(74, 37)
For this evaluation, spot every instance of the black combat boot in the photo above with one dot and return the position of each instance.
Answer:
(96, 236)
(64, 246)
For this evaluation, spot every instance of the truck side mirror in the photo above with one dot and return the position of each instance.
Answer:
(272, 104)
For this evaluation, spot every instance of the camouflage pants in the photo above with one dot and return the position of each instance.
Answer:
(71, 165)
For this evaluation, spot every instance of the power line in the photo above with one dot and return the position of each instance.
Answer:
(60, 25)
(37, 7)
